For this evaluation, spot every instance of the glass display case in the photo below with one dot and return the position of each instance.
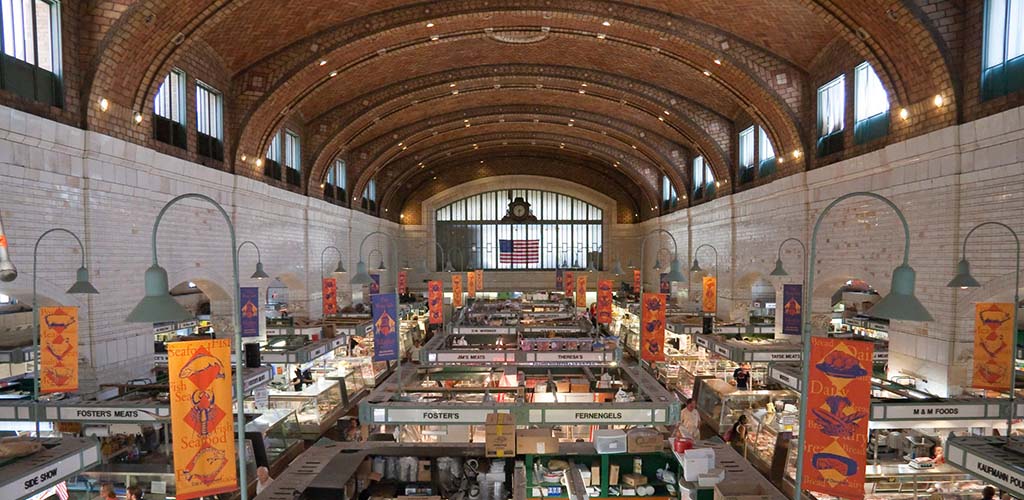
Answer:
(769, 436)
(275, 438)
(317, 406)
(720, 404)
(903, 482)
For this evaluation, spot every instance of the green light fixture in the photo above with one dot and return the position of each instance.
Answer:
(82, 284)
(779, 270)
(901, 303)
(695, 268)
(675, 273)
(157, 306)
(259, 274)
(361, 277)
(963, 279)
(617, 270)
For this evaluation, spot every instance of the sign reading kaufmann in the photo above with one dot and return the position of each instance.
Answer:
(435, 416)
(597, 416)
(107, 414)
(998, 474)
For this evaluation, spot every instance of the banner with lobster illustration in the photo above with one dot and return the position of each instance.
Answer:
(604, 301)
(471, 284)
(652, 324)
(435, 302)
(249, 297)
(58, 354)
(993, 345)
(456, 290)
(636, 281)
(581, 291)
(403, 282)
(330, 296)
(479, 279)
(204, 441)
(839, 403)
(709, 301)
(570, 283)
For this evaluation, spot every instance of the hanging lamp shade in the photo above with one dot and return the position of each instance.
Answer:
(695, 268)
(82, 284)
(448, 268)
(657, 266)
(617, 270)
(901, 303)
(361, 277)
(260, 273)
(406, 266)
(674, 273)
(779, 270)
(565, 263)
(381, 266)
(340, 268)
(630, 265)
(157, 306)
(963, 278)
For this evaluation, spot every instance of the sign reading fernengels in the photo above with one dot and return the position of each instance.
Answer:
(107, 414)
(597, 415)
(428, 415)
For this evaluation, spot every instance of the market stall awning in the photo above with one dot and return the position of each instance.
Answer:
(988, 459)
(58, 460)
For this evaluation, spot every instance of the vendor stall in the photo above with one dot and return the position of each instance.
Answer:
(318, 406)
(990, 460)
(275, 439)
(56, 460)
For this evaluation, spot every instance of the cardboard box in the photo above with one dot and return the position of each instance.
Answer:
(634, 480)
(613, 474)
(540, 441)
(500, 435)
(642, 440)
(595, 473)
(563, 385)
(579, 385)
(423, 472)
(500, 419)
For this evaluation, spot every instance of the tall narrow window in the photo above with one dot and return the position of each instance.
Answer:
(766, 154)
(370, 196)
(272, 167)
(746, 153)
(209, 122)
(31, 49)
(703, 179)
(169, 110)
(669, 197)
(831, 111)
(871, 105)
(292, 158)
(1003, 70)
(336, 181)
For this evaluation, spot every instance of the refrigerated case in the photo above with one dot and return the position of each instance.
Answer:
(720, 404)
(317, 407)
(275, 438)
(769, 439)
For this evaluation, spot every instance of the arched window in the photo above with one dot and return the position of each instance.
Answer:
(520, 229)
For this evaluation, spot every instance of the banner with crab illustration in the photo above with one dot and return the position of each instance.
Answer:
(993, 345)
(435, 302)
(709, 300)
(204, 441)
(652, 324)
(329, 286)
(581, 291)
(456, 291)
(604, 301)
(838, 403)
(58, 354)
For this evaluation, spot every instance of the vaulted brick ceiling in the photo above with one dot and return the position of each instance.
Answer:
(624, 91)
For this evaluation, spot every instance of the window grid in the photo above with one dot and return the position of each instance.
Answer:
(292, 156)
(703, 177)
(30, 32)
(831, 106)
(209, 111)
(765, 149)
(1004, 31)
(336, 175)
(870, 98)
(370, 191)
(169, 101)
(746, 146)
(669, 197)
(274, 150)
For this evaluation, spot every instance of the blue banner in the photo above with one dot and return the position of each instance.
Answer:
(559, 280)
(249, 298)
(375, 286)
(385, 326)
(665, 287)
(792, 307)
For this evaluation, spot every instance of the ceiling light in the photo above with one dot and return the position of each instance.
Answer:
(323, 62)
(584, 84)
(430, 25)
(797, 153)
(104, 104)
(781, 159)
(137, 117)
(718, 184)
(666, 112)
(401, 143)
(466, 120)
(385, 210)
(435, 37)
(455, 92)
(435, 178)
(569, 124)
(606, 23)
(401, 216)
(334, 73)
(718, 61)
(572, 119)
(322, 184)
(243, 157)
(451, 84)
(468, 124)
(259, 162)
(938, 100)
(662, 118)
(904, 113)
(600, 36)
(707, 73)
(634, 146)
(583, 91)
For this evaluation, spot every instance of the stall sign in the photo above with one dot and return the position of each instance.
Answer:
(604, 301)
(435, 302)
(881, 356)
(839, 402)
(471, 284)
(160, 358)
(473, 357)
(581, 291)
(189, 324)
(1005, 477)
(570, 283)
(792, 309)
(164, 328)
(596, 415)
(709, 301)
(787, 379)
(41, 478)
(723, 351)
(375, 284)
(993, 346)
(58, 358)
(479, 279)
(636, 281)
(475, 329)
(702, 342)
(385, 326)
(261, 395)
(403, 281)
(569, 357)
(106, 414)
(897, 411)
(330, 296)
(456, 290)
(652, 327)
(559, 280)
(204, 444)
(435, 416)
(260, 378)
(249, 298)
(774, 356)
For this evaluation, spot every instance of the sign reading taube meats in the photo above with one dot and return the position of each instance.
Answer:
(435, 302)
(652, 325)
(58, 353)
(838, 403)
(604, 301)
(385, 326)
(993, 346)
(204, 445)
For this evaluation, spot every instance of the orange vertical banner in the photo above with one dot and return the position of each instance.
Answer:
(838, 403)
(581, 291)
(479, 279)
(330, 296)
(604, 301)
(993, 345)
(403, 282)
(709, 302)
(570, 283)
(471, 284)
(204, 444)
(636, 281)
(435, 302)
(652, 324)
(456, 290)
(58, 349)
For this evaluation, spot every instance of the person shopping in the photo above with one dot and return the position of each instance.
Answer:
(689, 420)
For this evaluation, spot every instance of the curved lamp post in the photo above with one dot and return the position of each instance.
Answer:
(695, 268)
(899, 304)
(781, 271)
(260, 273)
(158, 306)
(964, 280)
(380, 267)
(423, 268)
(81, 285)
(674, 274)
(363, 278)
(340, 268)
(462, 260)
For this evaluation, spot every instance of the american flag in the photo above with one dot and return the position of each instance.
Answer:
(62, 490)
(518, 251)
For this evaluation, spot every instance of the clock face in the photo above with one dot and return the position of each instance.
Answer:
(518, 210)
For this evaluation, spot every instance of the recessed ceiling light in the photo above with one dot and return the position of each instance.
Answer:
(718, 61)
(430, 25)
(323, 62)
(583, 91)
(334, 73)
(137, 117)
(322, 184)
(797, 153)
(634, 146)
(244, 157)
(662, 118)
(400, 143)
(606, 23)
(259, 162)
(718, 184)
(904, 113)
(666, 112)
(104, 104)
(707, 73)
(435, 37)
(584, 84)
(939, 101)
(466, 120)
(451, 84)
(601, 36)
(455, 92)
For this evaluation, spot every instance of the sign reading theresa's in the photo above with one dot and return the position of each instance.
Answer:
(435, 302)
(652, 325)
(604, 301)
(58, 355)
(598, 415)
(385, 326)
(993, 346)
(204, 446)
(249, 298)
(330, 296)
(456, 290)
(421, 415)
(581, 291)
(839, 400)
(792, 308)
(579, 357)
